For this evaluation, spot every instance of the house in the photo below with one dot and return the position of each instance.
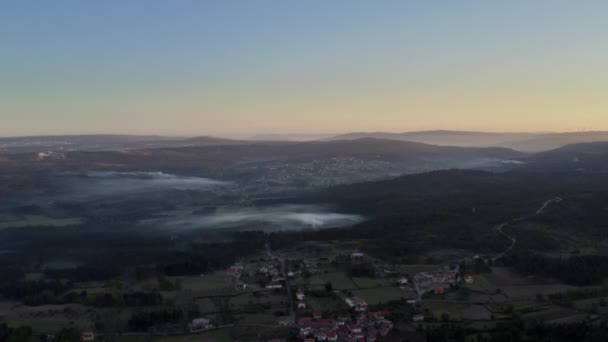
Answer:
(317, 315)
(235, 269)
(361, 307)
(301, 305)
(354, 301)
(378, 315)
(418, 317)
(402, 280)
(355, 329)
(305, 331)
(300, 294)
(274, 286)
(284, 321)
(439, 290)
(411, 301)
(242, 285)
(290, 274)
(468, 279)
(198, 324)
(277, 278)
(264, 270)
(357, 255)
(332, 336)
(88, 336)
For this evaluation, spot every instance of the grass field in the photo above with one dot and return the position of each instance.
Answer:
(32, 276)
(209, 284)
(438, 309)
(413, 269)
(339, 280)
(221, 335)
(587, 304)
(383, 294)
(365, 283)
(327, 304)
(38, 326)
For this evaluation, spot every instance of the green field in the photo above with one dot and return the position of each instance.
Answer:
(366, 283)
(327, 304)
(587, 304)
(339, 280)
(438, 309)
(38, 326)
(383, 294)
(207, 285)
(210, 336)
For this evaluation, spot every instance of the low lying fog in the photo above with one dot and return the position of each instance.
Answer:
(97, 184)
(277, 217)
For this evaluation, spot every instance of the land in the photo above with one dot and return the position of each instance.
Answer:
(129, 247)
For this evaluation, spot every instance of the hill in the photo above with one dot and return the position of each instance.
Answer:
(584, 157)
(527, 142)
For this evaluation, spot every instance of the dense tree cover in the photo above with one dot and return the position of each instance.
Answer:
(575, 270)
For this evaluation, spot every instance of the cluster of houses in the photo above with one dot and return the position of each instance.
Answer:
(367, 326)
(274, 275)
(436, 281)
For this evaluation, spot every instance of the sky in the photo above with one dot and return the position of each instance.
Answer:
(239, 68)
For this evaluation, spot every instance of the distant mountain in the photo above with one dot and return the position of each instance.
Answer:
(290, 137)
(527, 142)
(98, 142)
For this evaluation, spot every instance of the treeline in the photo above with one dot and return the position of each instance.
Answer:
(575, 270)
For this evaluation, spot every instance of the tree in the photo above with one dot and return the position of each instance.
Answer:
(329, 287)
(445, 317)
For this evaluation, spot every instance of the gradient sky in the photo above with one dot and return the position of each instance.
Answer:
(237, 68)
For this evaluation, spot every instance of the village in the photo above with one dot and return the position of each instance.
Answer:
(324, 303)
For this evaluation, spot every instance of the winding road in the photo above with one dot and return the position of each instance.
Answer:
(500, 227)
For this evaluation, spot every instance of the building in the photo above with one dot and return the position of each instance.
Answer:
(301, 305)
(198, 324)
(300, 294)
(418, 318)
(468, 279)
(274, 286)
(439, 290)
(402, 280)
(88, 336)
(284, 321)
